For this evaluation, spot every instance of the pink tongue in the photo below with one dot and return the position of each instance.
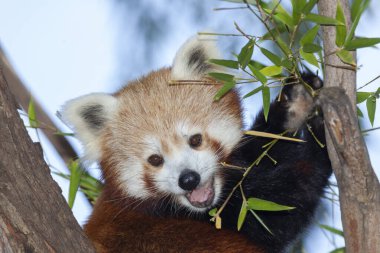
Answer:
(201, 194)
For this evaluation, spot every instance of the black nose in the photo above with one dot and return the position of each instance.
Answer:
(189, 180)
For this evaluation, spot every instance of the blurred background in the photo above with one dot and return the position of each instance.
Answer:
(64, 49)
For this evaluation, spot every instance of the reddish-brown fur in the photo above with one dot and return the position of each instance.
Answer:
(120, 223)
(116, 230)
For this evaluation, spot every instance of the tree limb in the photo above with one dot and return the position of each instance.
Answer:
(34, 216)
(359, 189)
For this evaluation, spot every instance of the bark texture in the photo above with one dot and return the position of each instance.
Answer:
(359, 189)
(34, 216)
(23, 96)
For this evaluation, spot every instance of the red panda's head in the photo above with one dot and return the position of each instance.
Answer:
(156, 140)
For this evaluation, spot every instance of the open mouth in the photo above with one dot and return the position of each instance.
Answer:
(203, 195)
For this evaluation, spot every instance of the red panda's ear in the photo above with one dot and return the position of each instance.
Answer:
(88, 115)
(192, 59)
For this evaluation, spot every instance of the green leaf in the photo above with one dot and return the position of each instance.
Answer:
(261, 221)
(275, 31)
(245, 54)
(355, 8)
(311, 48)
(346, 57)
(212, 212)
(297, 5)
(362, 96)
(253, 92)
(242, 215)
(266, 101)
(32, 114)
(360, 113)
(322, 20)
(284, 47)
(221, 76)
(64, 134)
(371, 109)
(225, 88)
(310, 58)
(288, 64)
(271, 70)
(332, 230)
(341, 30)
(225, 63)
(271, 56)
(265, 205)
(360, 43)
(257, 74)
(284, 18)
(75, 177)
(357, 14)
(257, 65)
(310, 35)
(339, 250)
(309, 6)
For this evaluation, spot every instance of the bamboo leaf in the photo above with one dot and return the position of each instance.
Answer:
(297, 5)
(225, 63)
(221, 76)
(339, 250)
(360, 43)
(245, 54)
(253, 92)
(288, 64)
(284, 46)
(357, 13)
(362, 96)
(260, 76)
(271, 56)
(360, 113)
(371, 109)
(346, 57)
(266, 101)
(311, 48)
(322, 20)
(309, 6)
(332, 230)
(212, 212)
(261, 221)
(272, 136)
(75, 177)
(242, 215)
(265, 205)
(32, 114)
(310, 35)
(310, 58)
(225, 88)
(341, 30)
(271, 70)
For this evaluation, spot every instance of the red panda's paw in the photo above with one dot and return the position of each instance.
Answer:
(298, 101)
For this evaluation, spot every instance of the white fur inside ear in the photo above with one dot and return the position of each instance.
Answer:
(191, 60)
(87, 115)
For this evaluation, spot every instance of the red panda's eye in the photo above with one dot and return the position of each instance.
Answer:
(195, 140)
(156, 160)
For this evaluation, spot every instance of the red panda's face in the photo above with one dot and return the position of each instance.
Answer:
(155, 140)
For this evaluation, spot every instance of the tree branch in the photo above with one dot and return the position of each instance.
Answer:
(34, 216)
(359, 189)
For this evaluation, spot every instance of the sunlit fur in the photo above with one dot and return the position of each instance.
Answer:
(142, 208)
(150, 116)
(154, 117)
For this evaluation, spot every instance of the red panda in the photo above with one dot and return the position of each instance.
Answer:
(160, 148)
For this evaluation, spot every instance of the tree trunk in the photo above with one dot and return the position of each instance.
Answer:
(34, 216)
(359, 188)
